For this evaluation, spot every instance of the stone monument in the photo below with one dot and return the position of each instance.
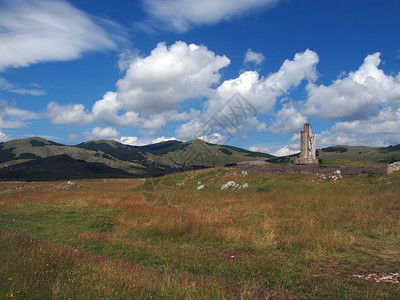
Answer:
(308, 147)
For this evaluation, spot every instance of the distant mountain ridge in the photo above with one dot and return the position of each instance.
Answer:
(40, 159)
(119, 160)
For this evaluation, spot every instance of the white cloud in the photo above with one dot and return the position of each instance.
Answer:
(4, 137)
(168, 76)
(13, 117)
(263, 92)
(258, 95)
(48, 30)
(364, 103)
(162, 139)
(110, 111)
(334, 137)
(102, 133)
(285, 151)
(126, 57)
(379, 130)
(105, 110)
(73, 136)
(135, 141)
(260, 148)
(128, 140)
(254, 57)
(288, 120)
(180, 15)
(17, 89)
(292, 147)
(355, 97)
(214, 138)
(74, 114)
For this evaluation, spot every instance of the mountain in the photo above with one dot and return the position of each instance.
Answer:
(22, 158)
(59, 167)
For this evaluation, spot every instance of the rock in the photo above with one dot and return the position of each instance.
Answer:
(200, 187)
(229, 184)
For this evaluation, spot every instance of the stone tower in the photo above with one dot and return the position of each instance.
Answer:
(308, 146)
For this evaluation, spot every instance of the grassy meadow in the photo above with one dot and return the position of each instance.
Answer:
(283, 237)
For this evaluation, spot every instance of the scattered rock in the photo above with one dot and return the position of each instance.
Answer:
(200, 187)
(65, 186)
(337, 175)
(337, 172)
(392, 278)
(232, 184)
(229, 184)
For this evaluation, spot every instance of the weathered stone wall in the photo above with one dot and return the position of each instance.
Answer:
(260, 168)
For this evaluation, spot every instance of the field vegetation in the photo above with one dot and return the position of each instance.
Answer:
(285, 236)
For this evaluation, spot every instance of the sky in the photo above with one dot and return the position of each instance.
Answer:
(243, 73)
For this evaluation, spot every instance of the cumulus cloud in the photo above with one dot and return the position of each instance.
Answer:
(291, 148)
(214, 138)
(35, 31)
(168, 76)
(257, 95)
(13, 118)
(17, 89)
(4, 137)
(110, 111)
(364, 106)
(357, 96)
(260, 148)
(180, 15)
(253, 57)
(285, 151)
(135, 141)
(101, 133)
(126, 57)
(262, 92)
(74, 114)
(288, 120)
(379, 130)
(105, 110)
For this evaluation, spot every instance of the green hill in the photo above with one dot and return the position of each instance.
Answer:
(150, 160)
(359, 154)
(349, 155)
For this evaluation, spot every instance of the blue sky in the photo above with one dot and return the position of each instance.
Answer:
(245, 73)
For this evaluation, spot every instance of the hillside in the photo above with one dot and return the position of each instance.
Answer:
(136, 161)
(59, 167)
(360, 154)
(349, 155)
(111, 157)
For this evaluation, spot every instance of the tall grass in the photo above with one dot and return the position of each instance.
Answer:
(284, 237)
